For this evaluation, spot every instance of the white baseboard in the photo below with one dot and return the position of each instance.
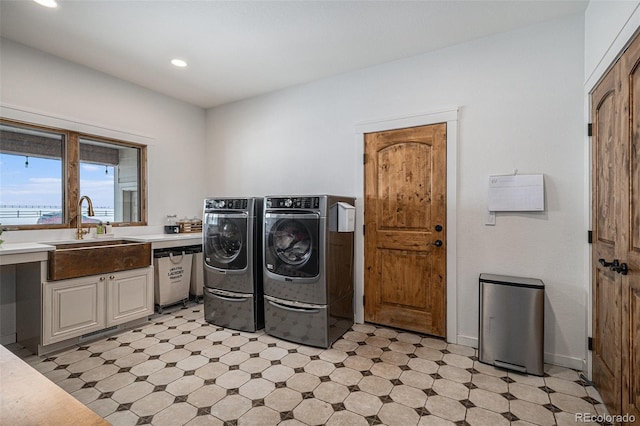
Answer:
(467, 341)
(549, 358)
(564, 361)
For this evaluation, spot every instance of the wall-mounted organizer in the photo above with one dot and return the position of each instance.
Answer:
(515, 193)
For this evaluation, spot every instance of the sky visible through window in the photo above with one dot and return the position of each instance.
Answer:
(39, 186)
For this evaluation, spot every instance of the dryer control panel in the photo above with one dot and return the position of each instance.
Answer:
(226, 203)
(294, 203)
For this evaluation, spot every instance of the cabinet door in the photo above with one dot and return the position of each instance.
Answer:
(72, 308)
(129, 295)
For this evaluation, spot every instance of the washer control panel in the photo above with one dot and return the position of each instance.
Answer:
(294, 203)
(226, 203)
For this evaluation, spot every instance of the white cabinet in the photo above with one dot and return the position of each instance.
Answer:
(129, 295)
(72, 308)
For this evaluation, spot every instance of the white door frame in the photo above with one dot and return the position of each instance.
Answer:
(450, 117)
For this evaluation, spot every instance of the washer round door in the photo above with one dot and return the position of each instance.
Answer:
(292, 244)
(225, 240)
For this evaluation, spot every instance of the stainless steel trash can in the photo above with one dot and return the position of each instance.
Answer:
(512, 323)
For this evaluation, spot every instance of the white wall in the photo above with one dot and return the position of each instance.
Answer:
(609, 25)
(521, 106)
(40, 88)
(52, 90)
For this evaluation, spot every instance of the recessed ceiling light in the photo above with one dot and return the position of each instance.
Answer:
(179, 63)
(47, 3)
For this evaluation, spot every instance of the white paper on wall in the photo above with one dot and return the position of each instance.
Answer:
(516, 193)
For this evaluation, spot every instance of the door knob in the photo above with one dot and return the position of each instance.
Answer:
(438, 228)
(622, 269)
(437, 243)
(605, 263)
(615, 266)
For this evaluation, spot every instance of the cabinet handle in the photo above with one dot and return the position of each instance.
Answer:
(112, 277)
(102, 278)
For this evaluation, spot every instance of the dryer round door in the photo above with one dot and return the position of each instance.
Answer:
(225, 240)
(292, 244)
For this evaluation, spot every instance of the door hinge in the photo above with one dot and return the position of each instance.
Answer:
(590, 237)
(363, 301)
(363, 229)
(590, 129)
(590, 343)
(364, 158)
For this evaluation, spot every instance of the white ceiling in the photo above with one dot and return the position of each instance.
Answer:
(238, 49)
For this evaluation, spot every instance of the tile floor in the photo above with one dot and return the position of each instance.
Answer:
(180, 370)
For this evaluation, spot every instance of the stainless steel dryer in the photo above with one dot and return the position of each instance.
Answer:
(308, 270)
(232, 245)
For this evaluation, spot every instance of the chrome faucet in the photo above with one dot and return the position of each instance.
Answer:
(80, 231)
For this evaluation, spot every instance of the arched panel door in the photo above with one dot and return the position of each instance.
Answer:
(606, 207)
(615, 113)
(405, 229)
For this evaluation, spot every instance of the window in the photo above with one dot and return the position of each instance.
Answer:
(44, 172)
(111, 173)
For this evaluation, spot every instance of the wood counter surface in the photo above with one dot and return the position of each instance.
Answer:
(29, 398)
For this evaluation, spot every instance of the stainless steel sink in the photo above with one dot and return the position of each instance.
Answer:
(84, 258)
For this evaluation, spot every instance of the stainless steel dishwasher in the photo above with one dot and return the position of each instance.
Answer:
(512, 323)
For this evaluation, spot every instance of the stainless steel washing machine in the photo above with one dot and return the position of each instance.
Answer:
(308, 270)
(232, 256)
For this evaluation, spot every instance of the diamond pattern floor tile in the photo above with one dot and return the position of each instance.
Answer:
(180, 370)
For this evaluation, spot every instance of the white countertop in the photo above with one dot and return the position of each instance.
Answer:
(160, 241)
(153, 238)
(11, 253)
(18, 248)
(14, 253)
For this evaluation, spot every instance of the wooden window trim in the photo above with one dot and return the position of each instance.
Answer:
(71, 175)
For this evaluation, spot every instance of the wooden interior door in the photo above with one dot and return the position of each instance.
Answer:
(630, 218)
(405, 228)
(616, 244)
(606, 207)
